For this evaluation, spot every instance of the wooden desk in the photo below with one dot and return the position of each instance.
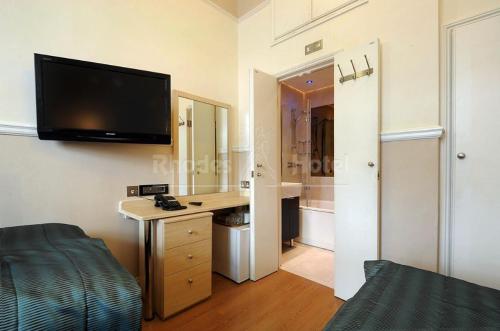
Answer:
(144, 211)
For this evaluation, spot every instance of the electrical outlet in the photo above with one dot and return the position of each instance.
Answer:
(245, 184)
(132, 191)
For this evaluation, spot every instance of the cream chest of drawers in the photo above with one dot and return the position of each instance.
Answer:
(183, 262)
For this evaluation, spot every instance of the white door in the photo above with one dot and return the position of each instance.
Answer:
(356, 185)
(264, 186)
(475, 221)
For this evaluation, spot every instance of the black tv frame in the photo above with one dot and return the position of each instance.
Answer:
(45, 133)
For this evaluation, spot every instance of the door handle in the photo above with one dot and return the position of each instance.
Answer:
(371, 164)
(259, 165)
(461, 156)
(259, 174)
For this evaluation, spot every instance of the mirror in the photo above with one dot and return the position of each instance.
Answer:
(202, 145)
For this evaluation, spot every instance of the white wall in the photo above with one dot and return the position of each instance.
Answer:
(408, 32)
(81, 183)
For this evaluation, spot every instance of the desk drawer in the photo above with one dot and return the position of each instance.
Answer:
(187, 232)
(186, 288)
(187, 256)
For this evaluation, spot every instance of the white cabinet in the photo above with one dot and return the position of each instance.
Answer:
(290, 14)
(322, 7)
(291, 17)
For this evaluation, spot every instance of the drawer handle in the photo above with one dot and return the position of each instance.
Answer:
(190, 281)
(190, 256)
(190, 231)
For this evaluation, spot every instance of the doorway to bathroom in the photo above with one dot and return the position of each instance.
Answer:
(307, 171)
(354, 207)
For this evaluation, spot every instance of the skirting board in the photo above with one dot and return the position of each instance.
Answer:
(12, 129)
(414, 134)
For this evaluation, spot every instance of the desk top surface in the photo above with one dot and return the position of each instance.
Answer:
(143, 209)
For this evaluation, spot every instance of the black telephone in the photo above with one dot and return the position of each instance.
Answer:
(167, 203)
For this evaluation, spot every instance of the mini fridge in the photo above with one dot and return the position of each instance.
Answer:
(231, 251)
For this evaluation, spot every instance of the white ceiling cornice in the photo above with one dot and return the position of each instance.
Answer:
(238, 9)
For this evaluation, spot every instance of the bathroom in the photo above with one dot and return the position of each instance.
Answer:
(307, 144)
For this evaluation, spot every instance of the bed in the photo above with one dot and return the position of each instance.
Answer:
(398, 297)
(54, 277)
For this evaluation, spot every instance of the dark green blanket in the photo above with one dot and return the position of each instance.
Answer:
(54, 277)
(398, 297)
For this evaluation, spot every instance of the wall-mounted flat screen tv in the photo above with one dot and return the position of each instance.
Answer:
(85, 101)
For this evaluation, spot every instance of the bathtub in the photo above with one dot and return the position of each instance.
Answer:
(317, 224)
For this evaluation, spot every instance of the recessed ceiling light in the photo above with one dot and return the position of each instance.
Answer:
(309, 82)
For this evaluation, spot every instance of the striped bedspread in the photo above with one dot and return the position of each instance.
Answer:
(54, 277)
(398, 297)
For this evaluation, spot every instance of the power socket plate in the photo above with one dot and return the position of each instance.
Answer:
(132, 191)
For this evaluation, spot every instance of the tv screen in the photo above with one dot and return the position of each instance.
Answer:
(78, 100)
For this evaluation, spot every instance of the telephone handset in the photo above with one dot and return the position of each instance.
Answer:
(167, 203)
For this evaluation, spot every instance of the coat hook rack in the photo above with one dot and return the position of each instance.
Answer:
(355, 75)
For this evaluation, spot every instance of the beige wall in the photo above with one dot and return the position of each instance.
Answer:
(81, 183)
(410, 178)
(409, 36)
(408, 32)
(409, 206)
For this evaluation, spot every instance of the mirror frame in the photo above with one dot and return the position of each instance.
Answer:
(176, 94)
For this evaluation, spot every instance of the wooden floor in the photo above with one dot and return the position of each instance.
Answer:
(281, 301)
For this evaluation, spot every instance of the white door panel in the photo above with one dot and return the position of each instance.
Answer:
(264, 186)
(288, 15)
(475, 244)
(321, 7)
(356, 184)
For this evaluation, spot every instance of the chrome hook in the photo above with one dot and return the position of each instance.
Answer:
(355, 73)
(368, 65)
(341, 74)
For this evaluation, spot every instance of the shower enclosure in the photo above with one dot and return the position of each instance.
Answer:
(307, 158)
(308, 148)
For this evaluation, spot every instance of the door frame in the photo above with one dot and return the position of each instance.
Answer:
(311, 65)
(447, 142)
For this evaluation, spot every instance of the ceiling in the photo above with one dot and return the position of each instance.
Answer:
(320, 79)
(237, 8)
